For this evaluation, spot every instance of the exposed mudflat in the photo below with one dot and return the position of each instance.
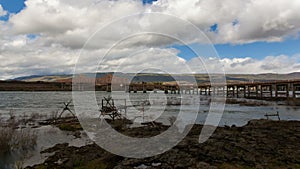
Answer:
(259, 144)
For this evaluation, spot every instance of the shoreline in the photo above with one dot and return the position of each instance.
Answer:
(259, 144)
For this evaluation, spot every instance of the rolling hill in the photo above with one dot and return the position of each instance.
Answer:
(152, 77)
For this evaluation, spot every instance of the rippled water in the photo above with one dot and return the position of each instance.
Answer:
(44, 103)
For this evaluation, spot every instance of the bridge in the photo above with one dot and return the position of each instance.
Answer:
(256, 90)
(272, 90)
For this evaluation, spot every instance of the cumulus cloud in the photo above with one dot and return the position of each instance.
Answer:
(70, 23)
(25, 59)
(147, 60)
(47, 36)
(238, 21)
(269, 64)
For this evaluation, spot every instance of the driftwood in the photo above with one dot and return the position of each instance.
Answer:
(66, 108)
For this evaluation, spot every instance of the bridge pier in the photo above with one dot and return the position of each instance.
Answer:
(252, 91)
(281, 90)
(296, 90)
(240, 90)
(266, 91)
(144, 89)
(108, 88)
(230, 91)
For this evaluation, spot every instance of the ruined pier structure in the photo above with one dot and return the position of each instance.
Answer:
(256, 90)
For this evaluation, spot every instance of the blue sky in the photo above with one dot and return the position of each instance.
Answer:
(148, 1)
(260, 50)
(257, 50)
(12, 6)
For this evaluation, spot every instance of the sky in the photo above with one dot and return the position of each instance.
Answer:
(235, 36)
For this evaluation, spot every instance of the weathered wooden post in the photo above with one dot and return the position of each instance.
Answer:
(107, 88)
(287, 90)
(256, 91)
(248, 91)
(134, 89)
(276, 91)
(144, 89)
(234, 89)
(227, 91)
(166, 89)
(261, 91)
(271, 90)
(294, 90)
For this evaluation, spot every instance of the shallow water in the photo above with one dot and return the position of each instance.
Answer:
(45, 103)
(49, 136)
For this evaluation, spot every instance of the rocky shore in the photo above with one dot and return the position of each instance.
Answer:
(259, 144)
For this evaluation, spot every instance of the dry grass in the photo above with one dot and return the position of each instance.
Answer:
(53, 115)
(6, 135)
(13, 139)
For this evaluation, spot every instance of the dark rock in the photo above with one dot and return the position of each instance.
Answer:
(259, 144)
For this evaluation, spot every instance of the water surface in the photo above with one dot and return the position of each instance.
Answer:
(45, 103)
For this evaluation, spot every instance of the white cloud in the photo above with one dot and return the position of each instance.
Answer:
(31, 62)
(72, 22)
(69, 23)
(269, 64)
(255, 20)
(2, 11)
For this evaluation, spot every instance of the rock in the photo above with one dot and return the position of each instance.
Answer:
(142, 166)
(203, 165)
(259, 144)
(156, 164)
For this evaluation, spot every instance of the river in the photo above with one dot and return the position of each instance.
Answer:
(45, 103)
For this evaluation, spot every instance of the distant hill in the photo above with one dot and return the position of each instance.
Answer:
(43, 78)
(152, 77)
(26, 78)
